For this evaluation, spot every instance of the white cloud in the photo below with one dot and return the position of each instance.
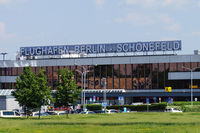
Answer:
(5, 2)
(3, 34)
(99, 3)
(196, 33)
(139, 19)
(2, 28)
(136, 19)
(165, 18)
(141, 2)
(169, 38)
(169, 23)
(162, 3)
(119, 20)
(174, 27)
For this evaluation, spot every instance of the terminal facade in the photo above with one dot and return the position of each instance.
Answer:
(130, 78)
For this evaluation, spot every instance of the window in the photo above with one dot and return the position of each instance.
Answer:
(8, 113)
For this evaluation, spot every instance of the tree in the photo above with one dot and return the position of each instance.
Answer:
(67, 93)
(31, 90)
(24, 86)
(43, 92)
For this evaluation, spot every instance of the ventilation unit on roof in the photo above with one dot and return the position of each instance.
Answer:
(196, 52)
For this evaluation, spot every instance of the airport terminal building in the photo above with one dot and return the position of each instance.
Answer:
(133, 71)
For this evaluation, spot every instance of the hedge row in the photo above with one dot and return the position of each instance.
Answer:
(183, 103)
(152, 107)
(189, 108)
(93, 107)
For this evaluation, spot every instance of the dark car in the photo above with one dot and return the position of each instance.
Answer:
(99, 111)
(78, 110)
(51, 113)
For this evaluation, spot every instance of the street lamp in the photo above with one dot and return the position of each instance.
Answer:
(82, 73)
(191, 78)
(85, 71)
(104, 79)
(4, 55)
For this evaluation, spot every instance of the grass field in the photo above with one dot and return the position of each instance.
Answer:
(106, 123)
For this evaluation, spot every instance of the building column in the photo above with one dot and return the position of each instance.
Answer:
(131, 76)
(119, 76)
(125, 76)
(112, 76)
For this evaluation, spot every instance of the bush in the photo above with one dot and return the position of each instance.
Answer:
(93, 107)
(189, 108)
(161, 106)
(153, 107)
(186, 106)
(183, 103)
(115, 107)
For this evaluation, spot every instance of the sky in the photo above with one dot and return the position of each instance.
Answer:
(63, 22)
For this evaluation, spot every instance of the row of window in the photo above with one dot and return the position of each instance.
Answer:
(118, 76)
(173, 67)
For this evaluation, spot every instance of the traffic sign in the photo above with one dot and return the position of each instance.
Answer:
(147, 100)
(168, 89)
(194, 86)
(94, 98)
(125, 109)
(170, 100)
(120, 98)
(104, 104)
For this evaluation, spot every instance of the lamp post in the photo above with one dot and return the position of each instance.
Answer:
(191, 78)
(4, 55)
(104, 79)
(83, 74)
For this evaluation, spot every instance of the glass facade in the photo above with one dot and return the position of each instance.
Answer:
(118, 76)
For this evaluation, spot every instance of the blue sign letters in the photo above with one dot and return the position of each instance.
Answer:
(102, 48)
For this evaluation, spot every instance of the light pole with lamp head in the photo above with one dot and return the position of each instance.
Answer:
(191, 78)
(4, 55)
(104, 79)
(83, 74)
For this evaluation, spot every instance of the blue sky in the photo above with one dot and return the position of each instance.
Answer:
(62, 22)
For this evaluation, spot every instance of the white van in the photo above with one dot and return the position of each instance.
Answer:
(111, 111)
(8, 113)
(173, 110)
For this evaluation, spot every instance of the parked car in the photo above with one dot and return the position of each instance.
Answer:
(41, 114)
(78, 110)
(138, 103)
(87, 112)
(61, 113)
(99, 111)
(21, 112)
(7, 113)
(173, 110)
(52, 113)
(111, 111)
(56, 112)
(127, 110)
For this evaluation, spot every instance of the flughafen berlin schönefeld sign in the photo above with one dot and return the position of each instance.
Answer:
(102, 48)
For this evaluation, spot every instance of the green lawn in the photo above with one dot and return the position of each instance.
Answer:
(106, 123)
